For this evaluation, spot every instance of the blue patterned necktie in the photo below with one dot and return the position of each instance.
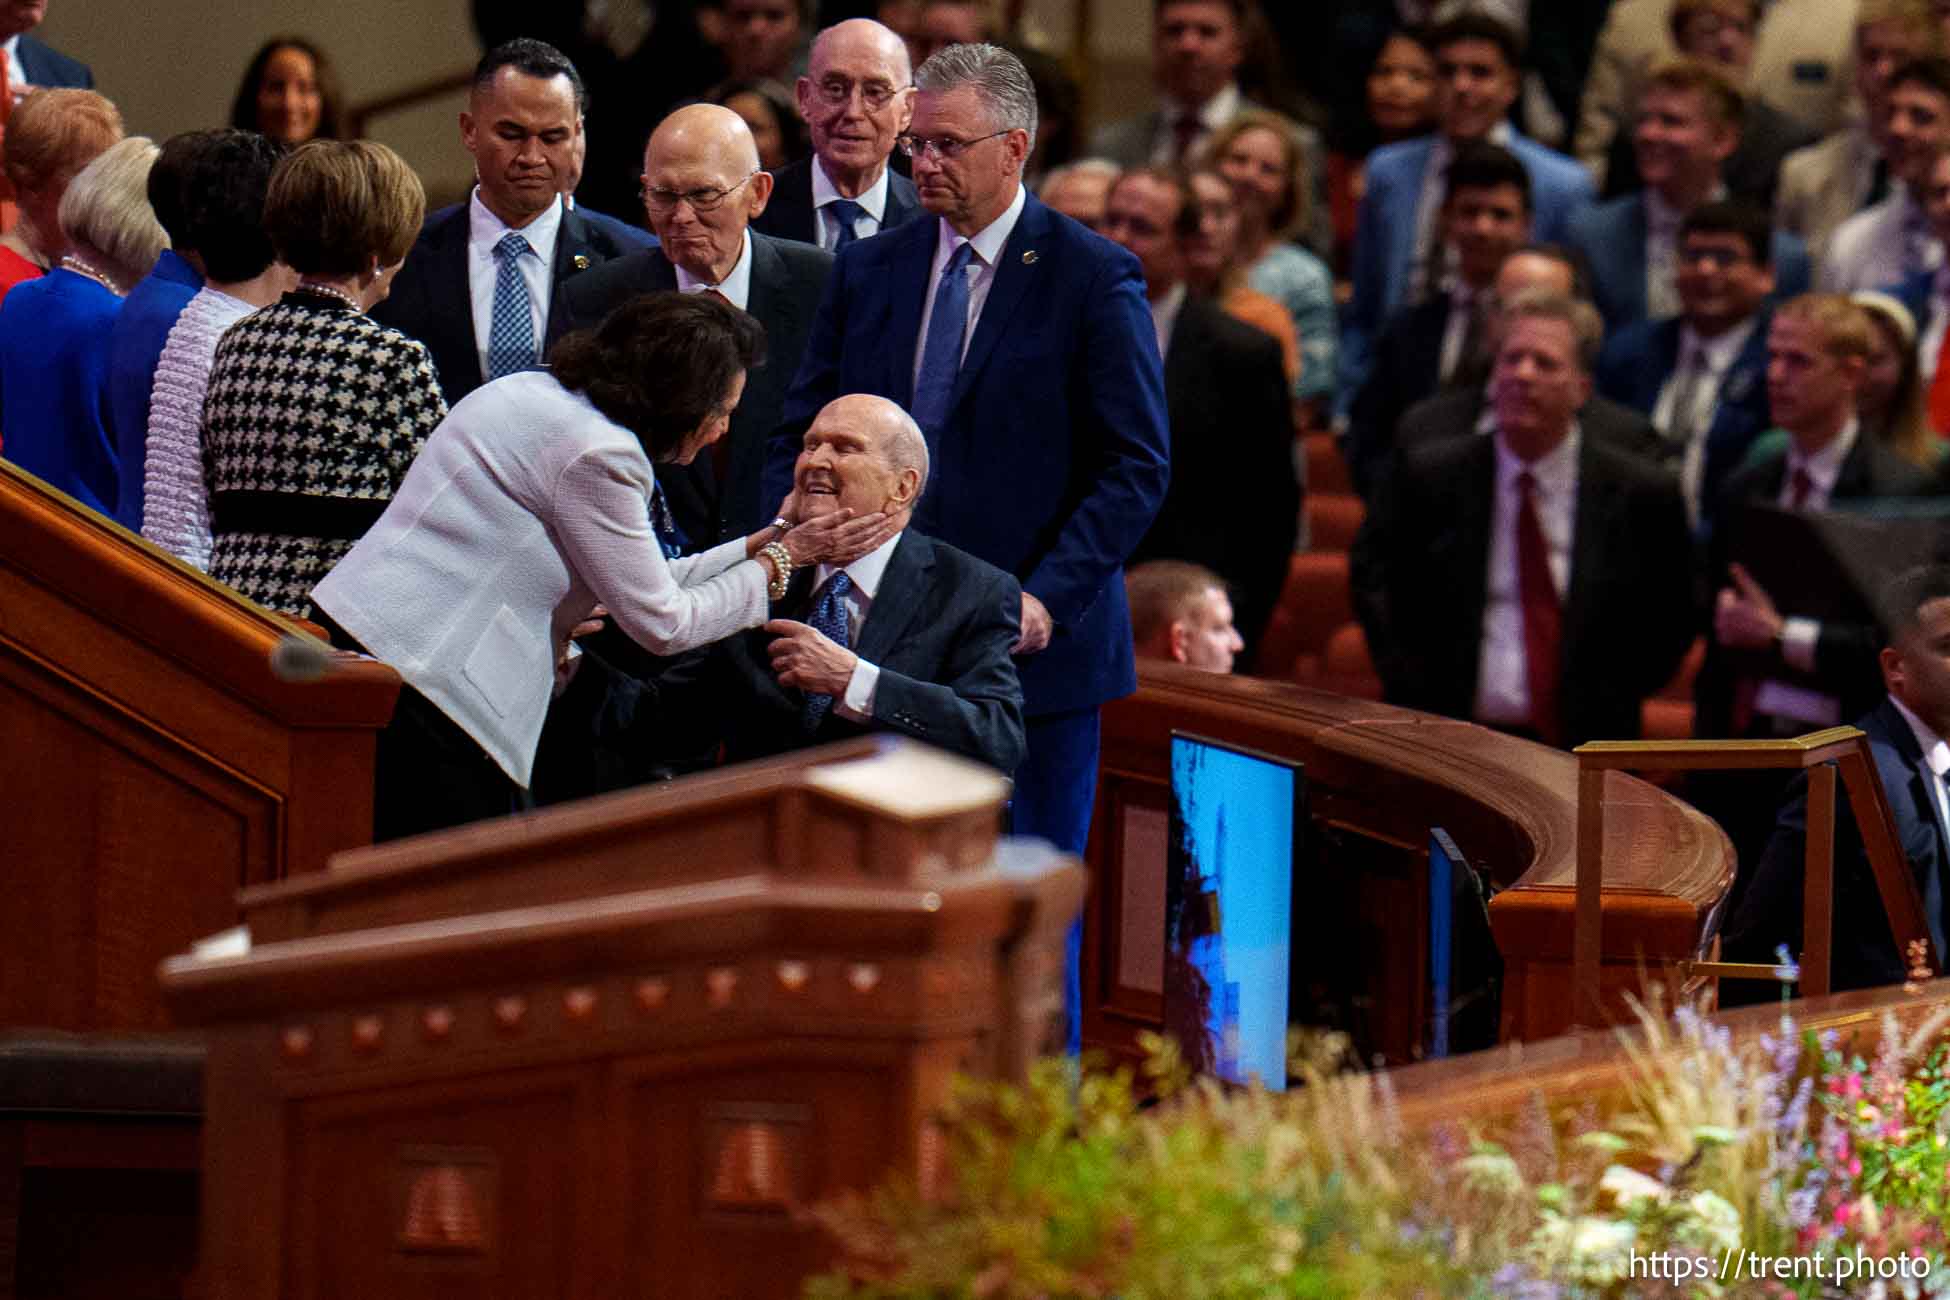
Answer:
(669, 535)
(848, 212)
(941, 358)
(511, 331)
(829, 619)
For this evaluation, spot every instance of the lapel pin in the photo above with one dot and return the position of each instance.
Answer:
(1029, 258)
(581, 261)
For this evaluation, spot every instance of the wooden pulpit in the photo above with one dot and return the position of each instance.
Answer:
(619, 1047)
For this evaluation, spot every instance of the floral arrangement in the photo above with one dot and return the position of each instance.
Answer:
(1720, 1168)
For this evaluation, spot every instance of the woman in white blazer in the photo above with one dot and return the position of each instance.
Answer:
(533, 502)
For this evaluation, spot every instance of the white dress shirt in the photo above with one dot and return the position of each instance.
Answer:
(1799, 636)
(1428, 210)
(1717, 355)
(16, 74)
(1164, 316)
(737, 283)
(484, 231)
(1212, 114)
(827, 224)
(1879, 246)
(988, 244)
(866, 572)
(1502, 676)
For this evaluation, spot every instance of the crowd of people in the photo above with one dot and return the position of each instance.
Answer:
(776, 382)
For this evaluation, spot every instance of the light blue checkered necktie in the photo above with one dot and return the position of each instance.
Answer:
(829, 619)
(941, 357)
(846, 211)
(511, 330)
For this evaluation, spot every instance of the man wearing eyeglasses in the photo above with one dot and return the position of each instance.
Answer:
(480, 284)
(701, 189)
(856, 99)
(1023, 346)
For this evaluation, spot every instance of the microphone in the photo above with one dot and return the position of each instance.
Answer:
(300, 659)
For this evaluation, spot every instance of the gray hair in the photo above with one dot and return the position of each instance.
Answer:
(1586, 326)
(106, 211)
(906, 448)
(997, 75)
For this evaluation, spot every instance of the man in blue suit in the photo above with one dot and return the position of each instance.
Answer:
(1024, 347)
(1906, 738)
(1399, 254)
(1689, 125)
(1701, 377)
(31, 63)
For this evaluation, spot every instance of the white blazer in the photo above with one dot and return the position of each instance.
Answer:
(525, 509)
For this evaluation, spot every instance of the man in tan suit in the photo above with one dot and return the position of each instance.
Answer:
(1825, 184)
(1800, 66)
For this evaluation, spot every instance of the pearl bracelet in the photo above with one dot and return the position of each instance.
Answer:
(781, 566)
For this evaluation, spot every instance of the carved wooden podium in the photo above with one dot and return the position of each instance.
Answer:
(616, 1048)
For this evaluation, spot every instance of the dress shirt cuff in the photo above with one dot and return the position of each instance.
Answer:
(857, 704)
(1798, 638)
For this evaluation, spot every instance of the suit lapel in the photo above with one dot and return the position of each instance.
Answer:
(899, 598)
(1927, 864)
(573, 253)
(448, 279)
(1590, 521)
(1014, 274)
(903, 203)
(1631, 253)
(913, 266)
(796, 219)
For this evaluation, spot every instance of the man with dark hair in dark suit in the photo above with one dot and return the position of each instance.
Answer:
(1537, 580)
(702, 189)
(1445, 339)
(913, 637)
(856, 99)
(1234, 500)
(1701, 377)
(480, 285)
(1906, 733)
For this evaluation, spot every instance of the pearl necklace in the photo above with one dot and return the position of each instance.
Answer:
(327, 291)
(79, 267)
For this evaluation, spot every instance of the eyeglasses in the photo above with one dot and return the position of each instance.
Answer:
(837, 92)
(1716, 259)
(944, 148)
(662, 200)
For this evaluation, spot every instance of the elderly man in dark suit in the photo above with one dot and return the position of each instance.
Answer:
(703, 189)
(913, 637)
(1537, 580)
(856, 98)
(1234, 501)
(1024, 348)
(480, 287)
(1906, 733)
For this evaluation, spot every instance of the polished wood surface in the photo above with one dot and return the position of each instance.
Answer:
(152, 761)
(617, 1048)
(1379, 779)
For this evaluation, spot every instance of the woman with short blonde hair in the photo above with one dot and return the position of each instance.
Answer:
(105, 215)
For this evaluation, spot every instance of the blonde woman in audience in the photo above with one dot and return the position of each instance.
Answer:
(1261, 156)
(1892, 404)
(54, 330)
(1212, 268)
(224, 216)
(315, 410)
(51, 136)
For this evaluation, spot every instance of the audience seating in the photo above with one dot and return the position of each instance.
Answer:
(1313, 603)
(1326, 470)
(1333, 519)
(1345, 667)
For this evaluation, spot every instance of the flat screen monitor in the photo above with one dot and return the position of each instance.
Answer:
(1236, 821)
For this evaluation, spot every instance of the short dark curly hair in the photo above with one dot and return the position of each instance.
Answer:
(223, 204)
(660, 364)
(168, 197)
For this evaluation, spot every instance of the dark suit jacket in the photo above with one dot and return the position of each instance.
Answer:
(1055, 454)
(790, 214)
(1454, 415)
(1845, 654)
(430, 299)
(1421, 579)
(785, 285)
(1640, 359)
(1864, 952)
(939, 630)
(1234, 500)
(1407, 367)
(47, 67)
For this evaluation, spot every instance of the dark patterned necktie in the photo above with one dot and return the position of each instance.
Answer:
(669, 535)
(846, 212)
(829, 619)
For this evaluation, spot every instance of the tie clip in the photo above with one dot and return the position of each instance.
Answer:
(1029, 258)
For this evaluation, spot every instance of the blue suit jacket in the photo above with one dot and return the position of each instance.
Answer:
(1637, 362)
(1055, 454)
(135, 345)
(1611, 238)
(1914, 293)
(47, 66)
(1384, 246)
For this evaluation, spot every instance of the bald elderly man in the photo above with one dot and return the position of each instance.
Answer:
(702, 189)
(856, 98)
(912, 638)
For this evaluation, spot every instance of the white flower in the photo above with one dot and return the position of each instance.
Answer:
(1628, 1187)
(1712, 1224)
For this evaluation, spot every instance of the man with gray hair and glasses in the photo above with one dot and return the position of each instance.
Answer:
(1023, 346)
